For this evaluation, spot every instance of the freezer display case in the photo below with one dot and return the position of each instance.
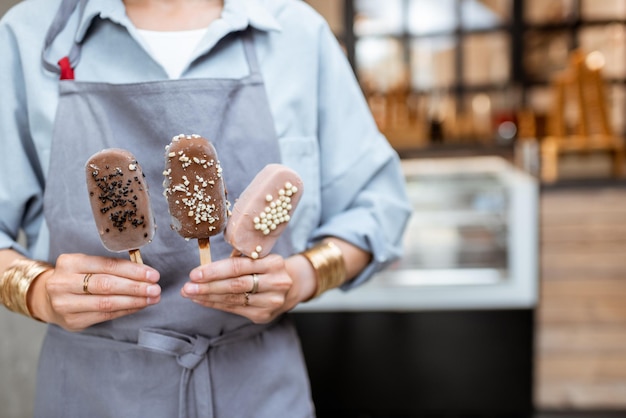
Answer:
(471, 242)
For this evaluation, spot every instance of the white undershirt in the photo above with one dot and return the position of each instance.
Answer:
(173, 50)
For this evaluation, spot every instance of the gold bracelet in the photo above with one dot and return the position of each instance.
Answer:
(16, 281)
(329, 265)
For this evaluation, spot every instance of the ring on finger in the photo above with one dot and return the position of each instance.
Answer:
(246, 301)
(255, 284)
(86, 283)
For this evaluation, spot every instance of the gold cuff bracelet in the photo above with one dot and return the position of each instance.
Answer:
(16, 281)
(328, 263)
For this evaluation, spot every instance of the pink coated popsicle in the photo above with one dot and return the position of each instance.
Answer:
(195, 191)
(120, 202)
(263, 211)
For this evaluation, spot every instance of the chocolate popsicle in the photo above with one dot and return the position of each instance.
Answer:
(263, 210)
(120, 201)
(195, 190)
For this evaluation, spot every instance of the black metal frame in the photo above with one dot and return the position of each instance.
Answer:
(517, 28)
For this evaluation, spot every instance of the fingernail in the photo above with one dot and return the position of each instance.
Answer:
(196, 275)
(191, 288)
(154, 290)
(152, 275)
(152, 301)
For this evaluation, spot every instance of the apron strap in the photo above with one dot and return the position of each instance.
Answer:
(66, 64)
(191, 354)
(250, 51)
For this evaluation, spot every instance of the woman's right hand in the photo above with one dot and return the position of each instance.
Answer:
(115, 287)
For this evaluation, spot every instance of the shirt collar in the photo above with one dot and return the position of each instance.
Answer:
(238, 14)
(250, 12)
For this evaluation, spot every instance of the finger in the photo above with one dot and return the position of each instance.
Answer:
(103, 284)
(80, 321)
(241, 284)
(230, 303)
(106, 304)
(121, 268)
(255, 314)
(229, 267)
(267, 301)
(233, 299)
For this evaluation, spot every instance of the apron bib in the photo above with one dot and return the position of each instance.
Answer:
(216, 354)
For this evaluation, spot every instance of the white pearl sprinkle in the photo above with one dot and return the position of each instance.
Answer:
(276, 212)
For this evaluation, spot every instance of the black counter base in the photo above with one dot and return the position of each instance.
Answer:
(448, 364)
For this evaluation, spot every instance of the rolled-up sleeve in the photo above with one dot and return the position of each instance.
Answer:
(363, 194)
(21, 179)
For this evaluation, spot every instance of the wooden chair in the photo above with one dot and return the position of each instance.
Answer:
(583, 88)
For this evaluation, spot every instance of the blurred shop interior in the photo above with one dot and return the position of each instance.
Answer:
(510, 298)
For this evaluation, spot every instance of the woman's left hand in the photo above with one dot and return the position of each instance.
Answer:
(228, 285)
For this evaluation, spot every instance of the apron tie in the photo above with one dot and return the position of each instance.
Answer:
(191, 353)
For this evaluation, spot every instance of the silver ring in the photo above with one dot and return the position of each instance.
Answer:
(247, 301)
(86, 283)
(255, 284)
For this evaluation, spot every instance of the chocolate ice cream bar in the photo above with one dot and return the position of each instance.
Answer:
(120, 202)
(195, 190)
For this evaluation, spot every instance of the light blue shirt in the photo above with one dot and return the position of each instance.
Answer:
(354, 187)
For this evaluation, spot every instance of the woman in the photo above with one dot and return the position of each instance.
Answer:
(266, 82)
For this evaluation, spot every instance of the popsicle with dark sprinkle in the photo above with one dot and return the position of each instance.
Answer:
(120, 201)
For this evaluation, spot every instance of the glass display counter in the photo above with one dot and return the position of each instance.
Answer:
(471, 242)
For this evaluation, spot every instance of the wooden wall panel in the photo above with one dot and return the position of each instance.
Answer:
(581, 317)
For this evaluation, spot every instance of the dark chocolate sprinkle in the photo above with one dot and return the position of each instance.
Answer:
(114, 193)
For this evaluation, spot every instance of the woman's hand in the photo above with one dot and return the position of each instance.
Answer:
(228, 285)
(84, 290)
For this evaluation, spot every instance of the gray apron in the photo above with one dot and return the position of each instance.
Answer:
(176, 358)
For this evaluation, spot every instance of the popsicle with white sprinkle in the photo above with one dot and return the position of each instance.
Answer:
(263, 211)
(195, 191)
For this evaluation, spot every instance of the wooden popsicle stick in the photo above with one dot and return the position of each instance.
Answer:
(135, 256)
(205, 250)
